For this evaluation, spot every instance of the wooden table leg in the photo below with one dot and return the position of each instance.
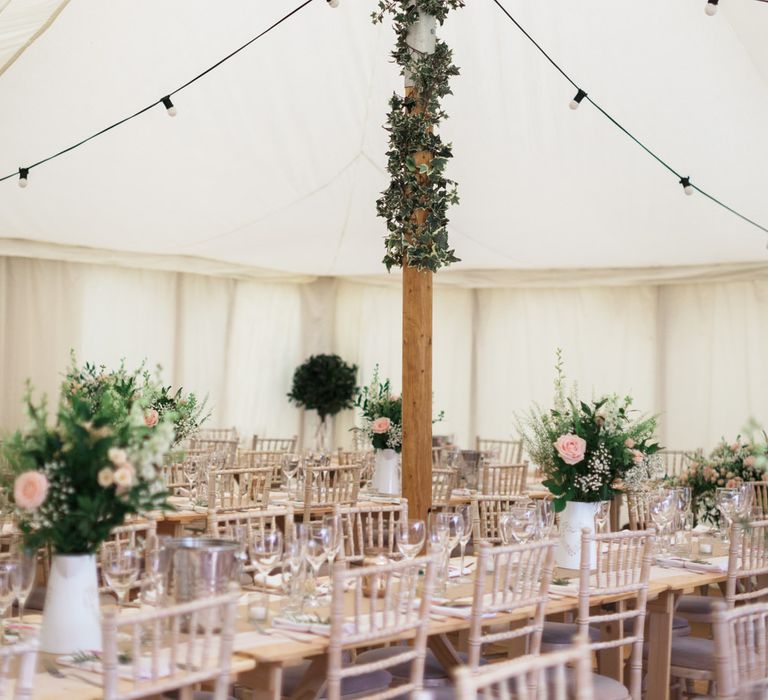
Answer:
(313, 680)
(660, 612)
(265, 681)
(615, 513)
(444, 652)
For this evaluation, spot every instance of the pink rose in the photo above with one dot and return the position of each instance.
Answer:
(381, 425)
(735, 447)
(730, 484)
(750, 461)
(629, 442)
(151, 417)
(30, 490)
(637, 456)
(571, 448)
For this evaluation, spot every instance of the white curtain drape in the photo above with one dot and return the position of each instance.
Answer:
(691, 352)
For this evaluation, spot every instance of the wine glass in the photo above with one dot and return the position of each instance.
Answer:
(294, 571)
(291, 464)
(23, 576)
(333, 538)
(239, 533)
(189, 469)
(437, 546)
(120, 568)
(454, 525)
(157, 561)
(465, 511)
(316, 555)
(684, 506)
(602, 515)
(518, 524)
(546, 517)
(7, 574)
(728, 501)
(663, 506)
(266, 552)
(410, 537)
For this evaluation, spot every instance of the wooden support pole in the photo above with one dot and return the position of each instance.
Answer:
(417, 336)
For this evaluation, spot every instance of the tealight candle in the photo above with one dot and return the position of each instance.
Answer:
(705, 548)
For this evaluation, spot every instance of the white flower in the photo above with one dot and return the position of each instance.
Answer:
(117, 456)
(124, 476)
(106, 478)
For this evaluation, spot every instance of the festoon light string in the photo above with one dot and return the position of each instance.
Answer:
(23, 172)
(581, 96)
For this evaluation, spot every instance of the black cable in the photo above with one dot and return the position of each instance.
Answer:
(618, 125)
(157, 102)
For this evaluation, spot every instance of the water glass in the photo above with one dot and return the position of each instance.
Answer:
(120, 569)
(519, 524)
(266, 552)
(437, 546)
(602, 516)
(546, 517)
(410, 537)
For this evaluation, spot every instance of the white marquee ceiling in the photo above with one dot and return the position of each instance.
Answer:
(276, 158)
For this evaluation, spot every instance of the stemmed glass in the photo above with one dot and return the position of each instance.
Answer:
(291, 464)
(465, 511)
(437, 545)
(23, 576)
(294, 569)
(546, 517)
(7, 574)
(120, 568)
(266, 553)
(684, 506)
(519, 524)
(410, 537)
(454, 525)
(602, 515)
(316, 555)
(189, 469)
(663, 507)
(728, 501)
(157, 561)
(332, 538)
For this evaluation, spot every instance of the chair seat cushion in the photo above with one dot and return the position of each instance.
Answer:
(693, 652)
(700, 606)
(197, 695)
(680, 626)
(608, 688)
(562, 633)
(367, 683)
(433, 669)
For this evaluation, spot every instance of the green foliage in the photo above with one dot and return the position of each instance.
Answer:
(614, 441)
(424, 186)
(376, 401)
(324, 383)
(95, 436)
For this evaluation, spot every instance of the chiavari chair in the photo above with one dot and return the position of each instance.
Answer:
(225, 448)
(741, 651)
(217, 434)
(623, 566)
(676, 461)
(260, 444)
(327, 485)
(639, 509)
(503, 479)
(369, 529)
(391, 599)
(693, 658)
(136, 535)
(239, 488)
(17, 670)
(172, 648)
(444, 481)
(486, 512)
(557, 676)
(759, 491)
(504, 451)
(264, 458)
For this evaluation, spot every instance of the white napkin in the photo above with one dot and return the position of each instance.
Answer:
(716, 565)
(275, 581)
(297, 626)
(123, 670)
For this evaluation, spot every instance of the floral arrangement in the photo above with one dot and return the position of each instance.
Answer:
(72, 482)
(645, 475)
(382, 414)
(585, 449)
(729, 464)
(120, 389)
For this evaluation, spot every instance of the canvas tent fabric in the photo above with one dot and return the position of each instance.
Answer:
(233, 240)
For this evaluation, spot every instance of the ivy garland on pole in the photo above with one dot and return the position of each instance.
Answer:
(412, 125)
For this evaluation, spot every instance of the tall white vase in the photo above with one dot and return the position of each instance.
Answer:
(71, 616)
(573, 519)
(386, 473)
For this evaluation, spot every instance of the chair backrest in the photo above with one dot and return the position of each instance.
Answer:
(503, 479)
(444, 481)
(369, 528)
(502, 451)
(17, 670)
(217, 434)
(264, 458)
(520, 576)
(388, 601)
(329, 485)
(171, 648)
(531, 677)
(759, 491)
(639, 509)
(486, 511)
(226, 447)
(747, 563)
(229, 525)
(623, 565)
(741, 651)
(676, 461)
(240, 488)
(261, 444)
(137, 535)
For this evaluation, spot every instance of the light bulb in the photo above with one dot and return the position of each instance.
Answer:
(333, 3)
(23, 172)
(576, 101)
(169, 106)
(711, 7)
(687, 186)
